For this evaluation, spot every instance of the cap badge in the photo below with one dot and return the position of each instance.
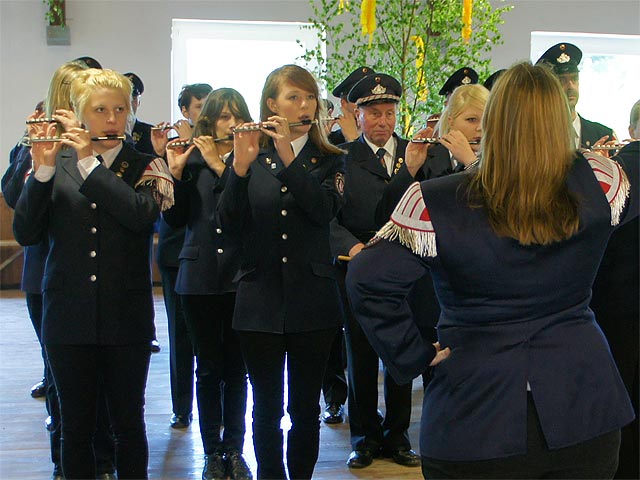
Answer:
(466, 81)
(378, 90)
(564, 58)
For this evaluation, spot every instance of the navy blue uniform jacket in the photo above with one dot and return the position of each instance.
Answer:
(97, 279)
(591, 132)
(12, 185)
(209, 261)
(280, 219)
(512, 315)
(365, 182)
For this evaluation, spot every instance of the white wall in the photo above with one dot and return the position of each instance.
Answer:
(135, 35)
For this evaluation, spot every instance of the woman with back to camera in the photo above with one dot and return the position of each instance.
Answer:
(96, 203)
(278, 202)
(209, 263)
(525, 385)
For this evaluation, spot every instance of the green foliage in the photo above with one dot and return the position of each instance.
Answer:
(55, 13)
(393, 51)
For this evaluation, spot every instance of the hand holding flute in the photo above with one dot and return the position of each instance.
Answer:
(416, 152)
(177, 157)
(209, 151)
(45, 153)
(245, 148)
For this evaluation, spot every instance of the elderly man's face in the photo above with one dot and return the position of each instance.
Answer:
(377, 121)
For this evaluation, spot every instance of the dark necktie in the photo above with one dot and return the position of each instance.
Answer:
(380, 154)
(99, 158)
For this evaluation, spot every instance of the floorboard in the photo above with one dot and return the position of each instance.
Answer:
(174, 454)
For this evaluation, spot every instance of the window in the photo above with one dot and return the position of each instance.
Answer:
(609, 74)
(233, 54)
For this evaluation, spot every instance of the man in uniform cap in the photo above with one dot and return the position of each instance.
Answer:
(462, 76)
(373, 161)
(140, 131)
(349, 129)
(491, 79)
(89, 62)
(564, 59)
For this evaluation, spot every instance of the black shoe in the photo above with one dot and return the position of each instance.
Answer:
(334, 413)
(57, 473)
(214, 467)
(237, 467)
(39, 390)
(360, 458)
(180, 421)
(106, 476)
(154, 346)
(407, 458)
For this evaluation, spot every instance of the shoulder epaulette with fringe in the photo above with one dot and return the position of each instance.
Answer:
(157, 175)
(613, 181)
(411, 225)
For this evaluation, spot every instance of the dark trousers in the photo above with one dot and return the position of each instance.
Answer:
(362, 368)
(334, 384)
(306, 356)
(221, 376)
(596, 458)
(80, 372)
(34, 305)
(181, 362)
(103, 441)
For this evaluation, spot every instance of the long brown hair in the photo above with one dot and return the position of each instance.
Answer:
(302, 79)
(526, 155)
(213, 106)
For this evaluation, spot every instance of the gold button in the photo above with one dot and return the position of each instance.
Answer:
(283, 189)
(285, 236)
(283, 213)
(94, 230)
(93, 278)
(285, 259)
(94, 206)
(218, 231)
(92, 254)
(220, 250)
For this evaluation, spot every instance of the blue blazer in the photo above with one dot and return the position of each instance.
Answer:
(512, 315)
(591, 132)
(12, 185)
(365, 182)
(279, 218)
(97, 279)
(209, 260)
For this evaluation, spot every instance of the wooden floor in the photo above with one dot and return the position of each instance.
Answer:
(174, 454)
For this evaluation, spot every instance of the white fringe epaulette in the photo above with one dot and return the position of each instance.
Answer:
(411, 225)
(158, 177)
(614, 182)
